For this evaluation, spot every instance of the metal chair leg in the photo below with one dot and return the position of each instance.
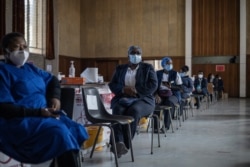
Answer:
(130, 143)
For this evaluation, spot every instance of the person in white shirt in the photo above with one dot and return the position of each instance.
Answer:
(168, 91)
(133, 84)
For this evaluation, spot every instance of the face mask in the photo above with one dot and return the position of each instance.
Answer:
(200, 76)
(168, 67)
(182, 74)
(135, 59)
(19, 57)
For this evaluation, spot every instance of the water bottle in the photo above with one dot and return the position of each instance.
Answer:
(72, 69)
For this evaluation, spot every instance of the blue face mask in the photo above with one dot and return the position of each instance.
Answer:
(168, 67)
(182, 74)
(135, 59)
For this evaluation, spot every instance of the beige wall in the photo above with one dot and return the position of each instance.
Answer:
(69, 27)
(105, 28)
(108, 27)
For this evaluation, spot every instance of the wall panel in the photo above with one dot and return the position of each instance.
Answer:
(69, 27)
(106, 66)
(248, 76)
(109, 27)
(215, 27)
(230, 76)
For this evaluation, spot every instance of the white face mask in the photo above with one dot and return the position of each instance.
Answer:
(200, 76)
(135, 59)
(19, 57)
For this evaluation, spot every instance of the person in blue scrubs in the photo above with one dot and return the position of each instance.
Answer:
(32, 127)
(169, 90)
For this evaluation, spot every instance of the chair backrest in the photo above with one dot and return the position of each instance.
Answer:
(67, 100)
(93, 104)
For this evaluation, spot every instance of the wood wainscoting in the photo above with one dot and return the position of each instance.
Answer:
(247, 76)
(230, 76)
(106, 67)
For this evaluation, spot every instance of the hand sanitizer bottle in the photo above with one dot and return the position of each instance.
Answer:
(59, 77)
(72, 69)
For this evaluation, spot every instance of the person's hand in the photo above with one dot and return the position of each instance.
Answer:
(49, 112)
(130, 91)
(157, 99)
(55, 103)
(167, 84)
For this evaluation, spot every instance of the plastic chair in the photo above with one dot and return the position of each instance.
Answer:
(67, 100)
(163, 109)
(187, 107)
(151, 117)
(96, 113)
(67, 105)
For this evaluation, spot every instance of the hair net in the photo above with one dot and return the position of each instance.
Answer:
(165, 60)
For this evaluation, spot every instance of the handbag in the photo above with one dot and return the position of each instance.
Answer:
(165, 93)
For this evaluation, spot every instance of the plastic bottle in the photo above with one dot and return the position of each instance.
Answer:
(59, 77)
(72, 69)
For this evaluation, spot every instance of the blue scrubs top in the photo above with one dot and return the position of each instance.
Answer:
(33, 139)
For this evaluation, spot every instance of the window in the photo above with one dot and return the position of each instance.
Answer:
(35, 25)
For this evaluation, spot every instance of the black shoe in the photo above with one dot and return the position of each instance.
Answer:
(121, 149)
(161, 130)
(113, 151)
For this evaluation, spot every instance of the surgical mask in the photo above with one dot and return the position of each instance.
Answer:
(168, 67)
(19, 57)
(182, 74)
(135, 59)
(200, 76)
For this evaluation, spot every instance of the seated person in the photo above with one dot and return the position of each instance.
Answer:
(168, 91)
(218, 86)
(133, 85)
(210, 85)
(200, 86)
(32, 127)
(187, 84)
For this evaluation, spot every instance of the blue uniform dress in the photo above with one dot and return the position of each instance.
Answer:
(33, 139)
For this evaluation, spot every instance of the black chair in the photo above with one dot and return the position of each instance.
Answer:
(151, 118)
(67, 100)
(67, 105)
(97, 114)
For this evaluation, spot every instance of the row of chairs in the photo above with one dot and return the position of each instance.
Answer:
(161, 109)
(97, 114)
(100, 117)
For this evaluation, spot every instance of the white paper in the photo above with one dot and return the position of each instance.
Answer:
(92, 102)
(90, 74)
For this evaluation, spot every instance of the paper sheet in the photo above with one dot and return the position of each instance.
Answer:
(92, 102)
